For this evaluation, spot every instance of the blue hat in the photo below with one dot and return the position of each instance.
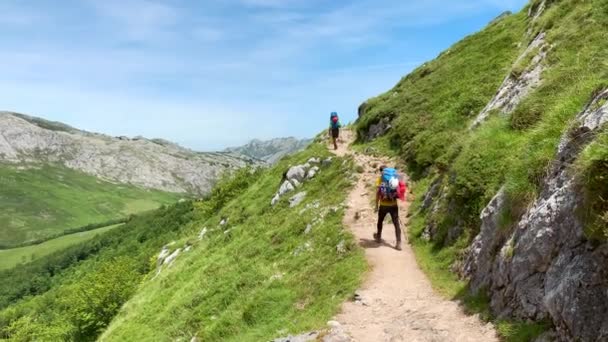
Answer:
(334, 114)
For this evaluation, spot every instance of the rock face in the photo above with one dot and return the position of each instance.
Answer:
(155, 164)
(379, 129)
(546, 268)
(516, 87)
(271, 151)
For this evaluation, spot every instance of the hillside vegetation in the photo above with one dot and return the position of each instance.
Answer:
(40, 203)
(241, 269)
(518, 106)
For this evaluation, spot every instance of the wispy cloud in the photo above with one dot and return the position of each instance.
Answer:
(193, 70)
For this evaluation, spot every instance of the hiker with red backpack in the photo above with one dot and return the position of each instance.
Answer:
(334, 128)
(391, 188)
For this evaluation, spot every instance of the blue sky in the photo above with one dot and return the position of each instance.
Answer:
(214, 73)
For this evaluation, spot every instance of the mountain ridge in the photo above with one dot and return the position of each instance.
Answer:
(148, 163)
(271, 151)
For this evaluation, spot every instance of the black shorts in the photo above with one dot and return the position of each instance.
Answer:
(335, 132)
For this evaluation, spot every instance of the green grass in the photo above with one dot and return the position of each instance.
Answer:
(258, 277)
(42, 203)
(263, 276)
(12, 257)
(593, 166)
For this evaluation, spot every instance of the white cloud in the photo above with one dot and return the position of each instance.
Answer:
(140, 20)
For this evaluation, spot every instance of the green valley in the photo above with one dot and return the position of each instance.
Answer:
(43, 202)
(12, 257)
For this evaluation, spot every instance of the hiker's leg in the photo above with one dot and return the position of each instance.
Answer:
(395, 218)
(382, 212)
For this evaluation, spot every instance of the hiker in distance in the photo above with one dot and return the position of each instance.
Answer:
(391, 188)
(334, 128)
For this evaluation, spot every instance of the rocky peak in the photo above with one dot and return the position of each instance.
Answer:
(155, 164)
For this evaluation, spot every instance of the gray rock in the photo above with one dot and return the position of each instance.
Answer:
(314, 161)
(312, 172)
(379, 129)
(295, 183)
(432, 193)
(297, 172)
(275, 200)
(297, 199)
(515, 89)
(546, 268)
(171, 258)
(286, 188)
(479, 260)
(312, 336)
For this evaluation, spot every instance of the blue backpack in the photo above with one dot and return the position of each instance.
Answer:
(334, 120)
(386, 190)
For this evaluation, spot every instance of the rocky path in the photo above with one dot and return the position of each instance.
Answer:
(396, 302)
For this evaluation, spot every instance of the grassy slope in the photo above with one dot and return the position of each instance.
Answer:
(72, 294)
(434, 105)
(248, 284)
(38, 204)
(12, 257)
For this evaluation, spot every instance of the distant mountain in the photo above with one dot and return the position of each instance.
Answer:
(148, 163)
(271, 151)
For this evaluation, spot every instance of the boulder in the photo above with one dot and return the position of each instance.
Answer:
(297, 172)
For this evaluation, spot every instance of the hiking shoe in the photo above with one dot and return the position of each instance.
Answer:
(377, 238)
(398, 246)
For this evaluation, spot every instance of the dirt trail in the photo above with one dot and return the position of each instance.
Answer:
(397, 301)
